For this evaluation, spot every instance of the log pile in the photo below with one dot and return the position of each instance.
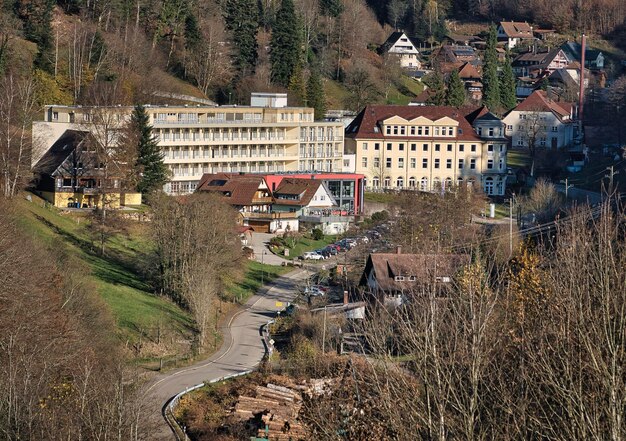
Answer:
(278, 407)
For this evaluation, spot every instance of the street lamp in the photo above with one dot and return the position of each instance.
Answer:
(262, 267)
(567, 187)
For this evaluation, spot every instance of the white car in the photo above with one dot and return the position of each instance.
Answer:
(310, 255)
(313, 291)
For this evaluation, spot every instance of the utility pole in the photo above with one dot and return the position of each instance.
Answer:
(567, 187)
(511, 227)
(611, 174)
(324, 333)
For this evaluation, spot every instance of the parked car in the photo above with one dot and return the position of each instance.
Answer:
(331, 250)
(323, 252)
(312, 255)
(313, 291)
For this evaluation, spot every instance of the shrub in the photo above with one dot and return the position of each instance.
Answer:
(380, 216)
(317, 234)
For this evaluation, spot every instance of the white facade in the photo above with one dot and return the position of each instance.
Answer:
(406, 51)
(545, 127)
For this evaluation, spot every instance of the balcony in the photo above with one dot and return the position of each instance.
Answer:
(269, 216)
(263, 200)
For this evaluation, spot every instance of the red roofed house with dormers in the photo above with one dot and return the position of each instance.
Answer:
(428, 148)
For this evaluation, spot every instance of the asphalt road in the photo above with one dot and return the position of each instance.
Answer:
(242, 350)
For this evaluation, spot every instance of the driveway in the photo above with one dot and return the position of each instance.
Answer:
(242, 349)
(258, 242)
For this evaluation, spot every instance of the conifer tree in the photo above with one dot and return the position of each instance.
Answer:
(507, 85)
(331, 8)
(315, 94)
(153, 172)
(437, 89)
(455, 95)
(242, 19)
(491, 80)
(285, 45)
(297, 86)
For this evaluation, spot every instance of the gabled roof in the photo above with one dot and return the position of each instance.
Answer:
(517, 29)
(238, 190)
(539, 60)
(467, 71)
(416, 269)
(368, 125)
(393, 39)
(303, 189)
(538, 101)
(573, 49)
(60, 151)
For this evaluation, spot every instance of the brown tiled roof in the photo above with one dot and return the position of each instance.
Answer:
(539, 101)
(303, 188)
(468, 71)
(516, 29)
(424, 267)
(239, 190)
(367, 123)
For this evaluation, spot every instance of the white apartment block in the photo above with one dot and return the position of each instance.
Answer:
(428, 148)
(201, 139)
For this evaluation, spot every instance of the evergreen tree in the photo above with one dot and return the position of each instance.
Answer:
(153, 173)
(37, 19)
(507, 85)
(315, 94)
(193, 36)
(242, 19)
(455, 95)
(285, 45)
(331, 8)
(437, 89)
(491, 80)
(297, 86)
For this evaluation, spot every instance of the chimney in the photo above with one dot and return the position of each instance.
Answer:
(399, 249)
(345, 298)
(581, 94)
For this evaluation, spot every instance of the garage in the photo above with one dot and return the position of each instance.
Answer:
(259, 226)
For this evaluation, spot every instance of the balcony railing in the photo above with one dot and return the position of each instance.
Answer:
(271, 215)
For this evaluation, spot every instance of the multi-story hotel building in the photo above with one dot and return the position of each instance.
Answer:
(428, 148)
(211, 139)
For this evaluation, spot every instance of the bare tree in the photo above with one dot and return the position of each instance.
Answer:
(532, 130)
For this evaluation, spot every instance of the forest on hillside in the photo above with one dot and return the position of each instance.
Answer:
(81, 51)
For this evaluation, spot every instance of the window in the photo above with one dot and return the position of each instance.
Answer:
(448, 163)
(450, 131)
(490, 131)
(364, 162)
(473, 148)
(413, 162)
(388, 163)
(425, 163)
(425, 147)
(424, 184)
(412, 181)
(555, 129)
(402, 130)
(473, 164)
(460, 163)
(501, 164)
(436, 131)
(401, 147)
(395, 130)
(419, 130)
(426, 130)
(388, 146)
(388, 130)
(449, 147)
(365, 146)
(490, 148)
(376, 162)
(489, 186)
(436, 162)
(437, 147)
(413, 147)
(490, 164)
(461, 147)
(376, 146)
(387, 181)
(55, 116)
(509, 127)
(413, 130)
(400, 182)
(400, 162)
(375, 182)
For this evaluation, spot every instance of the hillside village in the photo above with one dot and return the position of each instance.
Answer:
(330, 219)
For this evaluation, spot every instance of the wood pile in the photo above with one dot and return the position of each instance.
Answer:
(279, 408)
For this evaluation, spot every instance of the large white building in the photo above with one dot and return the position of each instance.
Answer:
(211, 139)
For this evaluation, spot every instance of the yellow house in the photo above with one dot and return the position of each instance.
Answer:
(428, 148)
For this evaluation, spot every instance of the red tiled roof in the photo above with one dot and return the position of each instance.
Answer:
(517, 29)
(239, 190)
(367, 123)
(539, 101)
(469, 71)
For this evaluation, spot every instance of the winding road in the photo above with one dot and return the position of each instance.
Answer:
(242, 349)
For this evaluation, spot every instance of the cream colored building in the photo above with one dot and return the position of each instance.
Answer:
(430, 148)
(202, 139)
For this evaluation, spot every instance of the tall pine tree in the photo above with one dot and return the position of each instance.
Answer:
(315, 94)
(455, 95)
(491, 79)
(242, 19)
(507, 85)
(437, 87)
(285, 45)
(153, 172)
(297, 86)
